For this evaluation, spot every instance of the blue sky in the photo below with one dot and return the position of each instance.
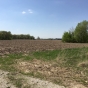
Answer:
(43, 18)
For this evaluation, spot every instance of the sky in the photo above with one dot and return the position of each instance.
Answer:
(43, 18)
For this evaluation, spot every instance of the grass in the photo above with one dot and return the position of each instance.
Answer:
(74, 56)
(7, 62)
(46, 55)
(76, 59)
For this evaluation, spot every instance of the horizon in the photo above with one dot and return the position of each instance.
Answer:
(43, 18)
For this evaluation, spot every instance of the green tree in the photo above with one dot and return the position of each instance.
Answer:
(32, 37)
(67, 37)
(22, 36)
(81, 32)
(71, 32)
(5, 35)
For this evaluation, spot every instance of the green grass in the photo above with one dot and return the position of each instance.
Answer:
(46, 55)
(71, 57)
(7, 62)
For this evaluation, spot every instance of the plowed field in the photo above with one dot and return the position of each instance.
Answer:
(25, 46)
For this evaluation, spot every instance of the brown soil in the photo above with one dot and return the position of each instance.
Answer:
(4, 82)
(25, 46)
(52, 72)
(27, 82)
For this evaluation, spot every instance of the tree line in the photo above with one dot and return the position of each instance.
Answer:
(6, 35)
(77, 35)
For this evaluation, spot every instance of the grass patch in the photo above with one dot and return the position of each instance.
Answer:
(7, 62)
(46, 55)
(74, 56)
(76, 59)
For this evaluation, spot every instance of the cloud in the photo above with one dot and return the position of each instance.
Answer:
(23, 12)
(30, 11)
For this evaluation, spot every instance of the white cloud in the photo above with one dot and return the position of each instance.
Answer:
(30, 11)
(23, 12)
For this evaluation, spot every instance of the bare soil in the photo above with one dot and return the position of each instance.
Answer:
(28, 82)
(51, 71)
(25, 46)
(4, 82)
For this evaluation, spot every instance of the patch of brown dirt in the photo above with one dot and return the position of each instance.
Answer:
(77, 86)
(83, 64)
(4, 82)
(50, 71)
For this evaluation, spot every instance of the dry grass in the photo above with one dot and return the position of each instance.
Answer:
(83, 64)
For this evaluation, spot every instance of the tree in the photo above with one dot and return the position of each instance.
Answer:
(32, 37)
(81, 32)
(22, 36)
(67, 37)
(38, 38)
(5, 35)
(71, 32)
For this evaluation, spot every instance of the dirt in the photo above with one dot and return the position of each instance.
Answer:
(32, 82)
(37, 83)
(77, 86)
(52, 72)
(26, 46)
(4, 82)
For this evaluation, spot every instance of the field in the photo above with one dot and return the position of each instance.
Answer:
(26, 46)
(65, 64)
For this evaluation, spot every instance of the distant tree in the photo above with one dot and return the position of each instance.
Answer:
(38, 38)
(32, 37)
(27, 36)
(81, 32)
(23, 36)
(67, 37)
(5, 35)
(14, 36)
(71, 32)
